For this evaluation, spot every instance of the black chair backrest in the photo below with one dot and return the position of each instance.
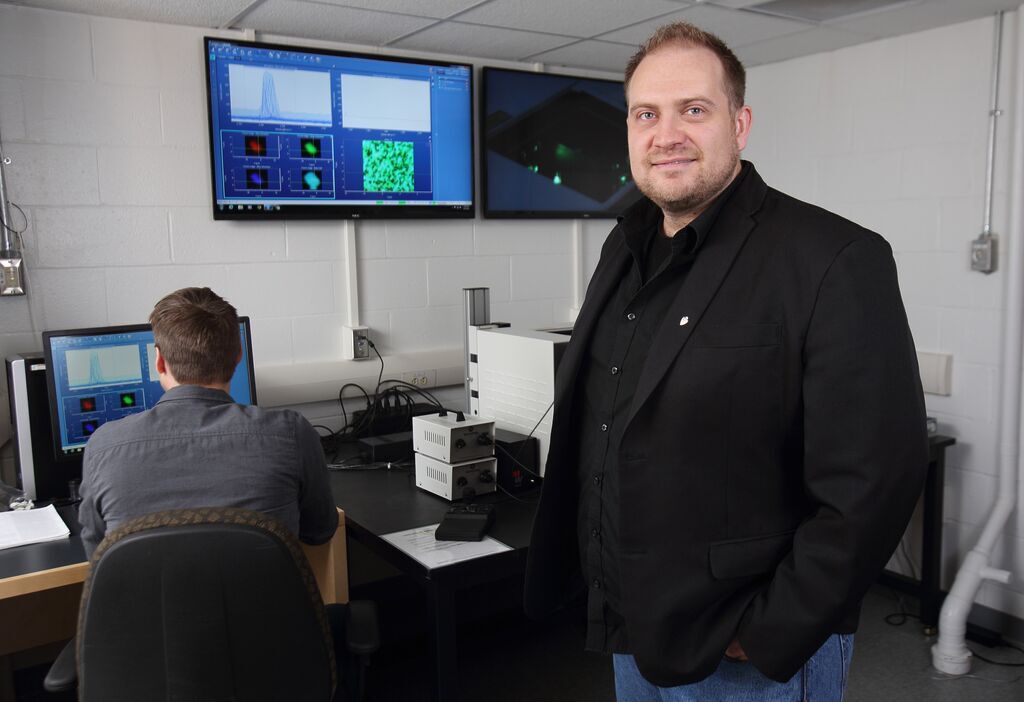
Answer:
(203, 604)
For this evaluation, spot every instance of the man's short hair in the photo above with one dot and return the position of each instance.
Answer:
(687, 35)
(196, 331)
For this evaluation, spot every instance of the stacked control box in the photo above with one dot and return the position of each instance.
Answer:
(454, 455)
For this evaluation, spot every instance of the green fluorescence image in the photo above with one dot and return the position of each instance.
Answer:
(387, 166)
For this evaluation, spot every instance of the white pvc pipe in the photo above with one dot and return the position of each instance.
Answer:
(577, 269)
(348, 238)
(950, 654)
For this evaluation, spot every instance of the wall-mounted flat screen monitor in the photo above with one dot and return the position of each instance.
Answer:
(317, 134)
(553, 146)
(97, 375)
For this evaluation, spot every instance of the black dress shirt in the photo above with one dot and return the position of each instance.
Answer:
(614, 360)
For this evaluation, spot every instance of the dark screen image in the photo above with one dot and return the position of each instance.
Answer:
(312, 180)
(310, 148)
(554, 146)
(255, 145)
(257, 178)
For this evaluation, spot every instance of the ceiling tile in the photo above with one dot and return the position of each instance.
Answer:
(735, 27)
(199, 13)
(811, 41)
(476, 40)
(916, 18)
(568, 18)
(438, 9)
(343, 24)
(601, 55)
(816, 11)
(736, 3)
(543, 25)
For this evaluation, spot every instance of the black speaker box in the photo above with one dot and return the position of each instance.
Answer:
(518, 469)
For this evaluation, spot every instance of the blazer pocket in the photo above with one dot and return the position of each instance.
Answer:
(737, 336)
(748, 557)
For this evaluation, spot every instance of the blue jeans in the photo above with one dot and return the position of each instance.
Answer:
(822, 679)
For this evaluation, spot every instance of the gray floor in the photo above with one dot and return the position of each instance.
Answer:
(893, 664)
(509, 659)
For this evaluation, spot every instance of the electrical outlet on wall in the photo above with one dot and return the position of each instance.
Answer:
(355, 343)
(423, 379)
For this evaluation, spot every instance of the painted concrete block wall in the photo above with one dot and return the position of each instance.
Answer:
(105, 121)
(893, 135)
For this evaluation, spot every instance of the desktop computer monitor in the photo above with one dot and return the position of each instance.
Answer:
(101, 374)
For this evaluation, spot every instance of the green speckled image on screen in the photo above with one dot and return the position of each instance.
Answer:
(387, 166)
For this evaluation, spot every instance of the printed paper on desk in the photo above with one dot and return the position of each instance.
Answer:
(421, 545)
(31, 526)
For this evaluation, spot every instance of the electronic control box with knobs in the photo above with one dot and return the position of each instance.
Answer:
(458, 481)
(451, 439)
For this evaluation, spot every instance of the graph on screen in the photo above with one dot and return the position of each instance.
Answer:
(277, 96)
(103, 366)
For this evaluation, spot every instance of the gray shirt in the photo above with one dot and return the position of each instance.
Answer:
(197, 448)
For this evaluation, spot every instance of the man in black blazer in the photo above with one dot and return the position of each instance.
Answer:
(738, 437)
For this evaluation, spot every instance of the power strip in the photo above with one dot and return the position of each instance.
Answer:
(391, 420)
(389, 447)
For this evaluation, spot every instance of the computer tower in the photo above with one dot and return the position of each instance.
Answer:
(40, 475)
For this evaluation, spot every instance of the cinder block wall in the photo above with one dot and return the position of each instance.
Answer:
(106, 123)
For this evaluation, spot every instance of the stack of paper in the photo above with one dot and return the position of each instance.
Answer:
(420, 543)
(31, 526)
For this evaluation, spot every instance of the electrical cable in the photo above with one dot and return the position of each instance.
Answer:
(541, 419)
(515, 459)
(426, 395)
(519, 499)
(391, 397)
(942, 677)
(12, 230)
(381, 374)
(341, 400)
(1005, 664)
(900, 617)
(373, 465)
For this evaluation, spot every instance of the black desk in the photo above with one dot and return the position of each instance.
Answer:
(26, 569)
(40, 586)
(929, 588)
(378, 502)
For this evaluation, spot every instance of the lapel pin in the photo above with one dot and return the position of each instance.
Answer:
(684, 321)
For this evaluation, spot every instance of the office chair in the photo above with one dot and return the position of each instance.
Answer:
(203, 604)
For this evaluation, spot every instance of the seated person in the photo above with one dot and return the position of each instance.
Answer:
(198, 448)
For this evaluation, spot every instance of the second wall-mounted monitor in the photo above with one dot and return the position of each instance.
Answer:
(317, 134)
(553, 146)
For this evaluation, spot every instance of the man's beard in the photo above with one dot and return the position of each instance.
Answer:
(708, 184)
